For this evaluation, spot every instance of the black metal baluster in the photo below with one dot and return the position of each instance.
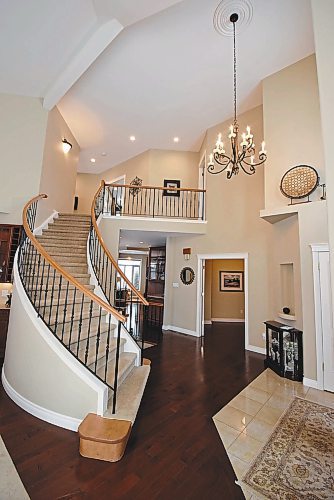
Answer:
(80, 323)
(72, 318)
(52, 294)
(107, 348)
(41, 287)
(36, 289)
(116, 367)
(58, 303)
(46, 289)
(153, 207)
(88, 331)
(98, 340)
(65, 312)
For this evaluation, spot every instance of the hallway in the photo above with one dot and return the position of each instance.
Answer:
(174, 449)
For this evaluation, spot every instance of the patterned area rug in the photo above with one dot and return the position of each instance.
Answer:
(298, 460)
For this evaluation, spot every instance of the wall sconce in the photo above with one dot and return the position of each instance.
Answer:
(186, 253)
(66, 146)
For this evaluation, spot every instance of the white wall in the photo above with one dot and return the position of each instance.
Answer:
(22, 135)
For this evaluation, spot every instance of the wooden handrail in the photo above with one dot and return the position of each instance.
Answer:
(62, 271)
(166, 188)
(110, 257)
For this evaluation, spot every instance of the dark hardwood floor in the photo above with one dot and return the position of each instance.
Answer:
(174, 451)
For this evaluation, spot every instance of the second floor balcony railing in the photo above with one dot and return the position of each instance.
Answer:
(153, 201)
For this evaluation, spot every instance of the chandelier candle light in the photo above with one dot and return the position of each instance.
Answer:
(242, 156)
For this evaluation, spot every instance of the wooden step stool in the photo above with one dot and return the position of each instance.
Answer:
(103, 438)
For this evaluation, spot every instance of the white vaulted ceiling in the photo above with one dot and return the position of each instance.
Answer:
(167, 73)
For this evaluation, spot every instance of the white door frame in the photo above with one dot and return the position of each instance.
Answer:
(200, 287)
(316, 249)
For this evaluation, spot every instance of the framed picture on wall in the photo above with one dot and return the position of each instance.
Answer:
(231, 281)
(171, 184)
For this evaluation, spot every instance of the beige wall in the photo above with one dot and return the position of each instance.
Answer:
(234, 226)
(226, 305)
(152, 166)
(323, 15)
(22, 135)
(59, 169)
(85, 189)
(292, 126)
(284, 249)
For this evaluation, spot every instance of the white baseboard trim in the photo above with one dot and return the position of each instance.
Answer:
(44, 225)
(180, 330)
(227, 320)
(50, 416)
(255, 348)
(207, 322)
(309, 382)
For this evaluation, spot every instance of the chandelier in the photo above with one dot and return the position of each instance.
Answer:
(242, 155)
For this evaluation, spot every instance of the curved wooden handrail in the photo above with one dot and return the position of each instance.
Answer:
(62, 271)
(110, 257)
(133, 186)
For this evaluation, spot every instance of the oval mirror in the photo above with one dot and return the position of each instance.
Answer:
(187, 275)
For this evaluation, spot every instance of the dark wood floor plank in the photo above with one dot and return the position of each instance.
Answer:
(174, 451)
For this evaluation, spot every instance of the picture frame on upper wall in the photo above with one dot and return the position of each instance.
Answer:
(171, 184)
(231, 281)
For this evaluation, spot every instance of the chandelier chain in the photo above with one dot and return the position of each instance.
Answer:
(234, 74)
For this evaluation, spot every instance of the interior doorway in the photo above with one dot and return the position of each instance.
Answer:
(222, 290)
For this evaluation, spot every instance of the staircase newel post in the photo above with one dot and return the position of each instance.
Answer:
(116, 367)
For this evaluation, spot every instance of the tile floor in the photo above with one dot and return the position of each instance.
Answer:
(246, 422)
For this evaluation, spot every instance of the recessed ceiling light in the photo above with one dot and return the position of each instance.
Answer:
(176, 139)
(93, 160)
(103, 154)
(132, 138)
(141, 242)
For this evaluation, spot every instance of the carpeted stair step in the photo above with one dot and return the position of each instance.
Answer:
(52, 245)
(126, 364)
(87, 330)
(101, 358)
(74, 217)
(61, 237)
(95, 314)
(77, 231)
(129, 395)
(68, 259)
(40, 281)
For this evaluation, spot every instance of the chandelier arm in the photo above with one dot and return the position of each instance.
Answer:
(219, 159)
(250, 171)
(262, 159)
(211, 169)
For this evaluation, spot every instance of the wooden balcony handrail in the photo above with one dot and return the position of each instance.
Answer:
(107, 252)
(88, 293)
(154, 187)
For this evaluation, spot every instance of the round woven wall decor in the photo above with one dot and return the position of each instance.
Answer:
(299, 181)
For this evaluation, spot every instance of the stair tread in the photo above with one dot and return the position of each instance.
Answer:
(129, 395)
(126, 360)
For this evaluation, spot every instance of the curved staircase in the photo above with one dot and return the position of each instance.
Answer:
(54, 272)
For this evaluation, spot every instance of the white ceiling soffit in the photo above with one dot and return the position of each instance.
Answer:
(46, 45)
(171, 75)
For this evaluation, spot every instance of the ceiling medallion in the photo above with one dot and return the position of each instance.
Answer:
(243, 155)
(223, 12)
